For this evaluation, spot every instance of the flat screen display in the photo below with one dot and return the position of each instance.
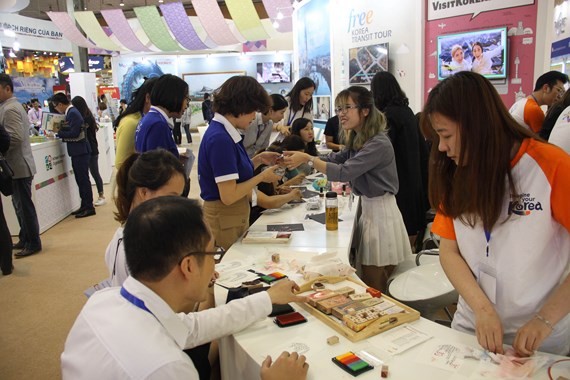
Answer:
(480, 51)
(274, 72)
(366, 61)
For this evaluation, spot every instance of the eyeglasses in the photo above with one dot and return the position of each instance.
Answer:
(345, 108)
(218, 254)
(559, 89)
(188, 99)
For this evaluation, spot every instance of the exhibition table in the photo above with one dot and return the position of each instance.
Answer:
(54, 190)
(437, 357)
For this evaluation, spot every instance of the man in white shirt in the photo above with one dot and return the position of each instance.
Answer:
(139, 330)
(35, 114)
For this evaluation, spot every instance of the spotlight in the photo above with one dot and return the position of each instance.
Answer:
(275, 24)
(279, 15)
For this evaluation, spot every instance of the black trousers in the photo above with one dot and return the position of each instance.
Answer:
(177, 133)
(94, 169)
(26, 213)
(80, 165)
(187, 131)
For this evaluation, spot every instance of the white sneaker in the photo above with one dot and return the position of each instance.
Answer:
(100, 202)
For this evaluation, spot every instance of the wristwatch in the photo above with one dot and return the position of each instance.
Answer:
(311, 161)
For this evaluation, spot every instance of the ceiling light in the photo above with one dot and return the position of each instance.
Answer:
(279, 15)
(121, 4)
(275, 24)
(161, 1)
(85, 8)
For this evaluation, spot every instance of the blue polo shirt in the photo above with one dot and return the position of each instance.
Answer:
(222, 157)
(153, 132)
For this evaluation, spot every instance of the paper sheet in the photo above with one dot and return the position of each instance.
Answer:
(439, 354)
(401, 338)
(234, 279)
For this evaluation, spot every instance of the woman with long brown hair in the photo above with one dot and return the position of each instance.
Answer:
(368, 163)
(503, 218)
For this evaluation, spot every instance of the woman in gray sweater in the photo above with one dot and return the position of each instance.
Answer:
(368, 163)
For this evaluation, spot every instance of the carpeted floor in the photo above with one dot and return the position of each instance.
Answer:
(41, 299)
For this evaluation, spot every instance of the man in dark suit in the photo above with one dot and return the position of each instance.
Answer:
(19, 156)
(78, 149)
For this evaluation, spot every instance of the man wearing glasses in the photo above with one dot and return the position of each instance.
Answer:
(140, 329)
(548, 89)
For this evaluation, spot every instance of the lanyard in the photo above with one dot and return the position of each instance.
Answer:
(134, 300)
(291, 117)
(260, 129)
(488, 238)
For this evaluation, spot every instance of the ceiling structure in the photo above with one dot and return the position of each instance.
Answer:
(38, 8)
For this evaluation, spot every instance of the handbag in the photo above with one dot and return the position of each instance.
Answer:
(6, 174)
(79, 138)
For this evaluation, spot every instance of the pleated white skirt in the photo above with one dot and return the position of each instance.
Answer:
(384, 240)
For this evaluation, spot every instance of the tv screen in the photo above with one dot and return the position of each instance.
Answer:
(480, 51)
(274, 72)
(364, 62)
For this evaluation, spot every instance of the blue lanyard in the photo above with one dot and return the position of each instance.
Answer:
(134, 300)
(291, 117)
(488, 238)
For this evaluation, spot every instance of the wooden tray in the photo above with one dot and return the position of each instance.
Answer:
(374, 328)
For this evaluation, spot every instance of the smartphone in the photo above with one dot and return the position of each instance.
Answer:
(290, 319)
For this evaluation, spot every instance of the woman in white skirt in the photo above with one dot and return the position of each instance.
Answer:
(368, 163)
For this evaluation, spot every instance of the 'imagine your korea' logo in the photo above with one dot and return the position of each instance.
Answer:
(524, 204)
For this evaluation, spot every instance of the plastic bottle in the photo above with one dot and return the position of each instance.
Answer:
(331, 211)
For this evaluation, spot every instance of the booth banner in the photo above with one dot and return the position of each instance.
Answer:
(33, 34)
(374, 36)
(438, 9)
(246, 19)
(561, 29)
(314, 44)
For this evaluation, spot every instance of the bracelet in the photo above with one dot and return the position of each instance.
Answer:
(544, 320)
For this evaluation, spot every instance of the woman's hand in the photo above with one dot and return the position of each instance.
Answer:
(530, 337)
(269, 175)
(489, 330)
(285, 130)
(295, 195)
(294, 159)
(266, 158)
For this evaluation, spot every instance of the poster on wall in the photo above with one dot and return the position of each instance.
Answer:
(364, 62)
(321, 107)
(314, 45)
(201, 83)
(480, 51)
(132, 71)
(466, 24)
(26, 88)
